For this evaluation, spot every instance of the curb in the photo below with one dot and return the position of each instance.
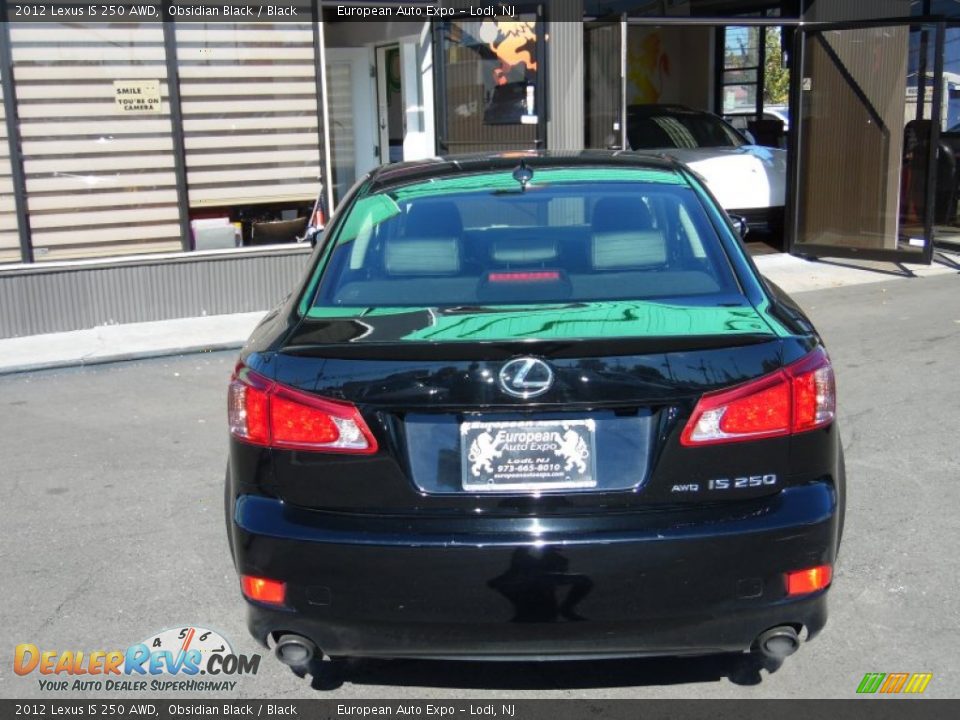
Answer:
(121, 357)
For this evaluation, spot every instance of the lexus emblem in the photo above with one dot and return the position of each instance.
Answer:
(526, 377)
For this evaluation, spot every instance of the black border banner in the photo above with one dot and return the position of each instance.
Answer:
(267, 11)
(442, 709)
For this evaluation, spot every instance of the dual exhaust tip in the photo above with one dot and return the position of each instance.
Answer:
(776, 643)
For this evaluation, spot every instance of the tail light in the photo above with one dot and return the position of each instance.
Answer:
(263, 412)
(798, 398)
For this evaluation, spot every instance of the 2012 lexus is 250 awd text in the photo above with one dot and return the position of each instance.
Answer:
(533, 406)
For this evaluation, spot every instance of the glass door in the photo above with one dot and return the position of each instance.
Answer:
(866, 148)
(390, 104)
(603, 88)
(353, 128)
(946, 218)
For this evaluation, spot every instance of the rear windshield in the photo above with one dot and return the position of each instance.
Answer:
(571, 236)
(680, 130)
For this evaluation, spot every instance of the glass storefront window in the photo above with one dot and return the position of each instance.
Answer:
(350, 102)
(755, 81)
(741, 68)
(946, 195)
(250, 124)
(96, 139)
(490, 76)
(776, 73)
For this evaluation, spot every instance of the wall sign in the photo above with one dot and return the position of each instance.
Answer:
(137, 96)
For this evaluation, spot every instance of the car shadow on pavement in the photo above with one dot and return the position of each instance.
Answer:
(738, 668)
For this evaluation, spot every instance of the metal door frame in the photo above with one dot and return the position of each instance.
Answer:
(793, 210)
(380, 51)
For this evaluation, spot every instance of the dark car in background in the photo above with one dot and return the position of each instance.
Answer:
(749, 180)
(533, 406)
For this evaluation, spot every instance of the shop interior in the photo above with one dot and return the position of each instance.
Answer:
(799, 94)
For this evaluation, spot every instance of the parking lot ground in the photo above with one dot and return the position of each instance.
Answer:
(112, 523)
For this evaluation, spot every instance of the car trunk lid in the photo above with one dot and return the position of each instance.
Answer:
(429, 383)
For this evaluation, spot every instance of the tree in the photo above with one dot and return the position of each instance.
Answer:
(776, 86)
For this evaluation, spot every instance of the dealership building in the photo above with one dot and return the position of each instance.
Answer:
(153, 170)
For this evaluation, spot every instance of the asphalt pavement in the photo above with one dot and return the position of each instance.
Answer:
(112, 524)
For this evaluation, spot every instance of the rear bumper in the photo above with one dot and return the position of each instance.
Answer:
(620, 585)
(765, 219)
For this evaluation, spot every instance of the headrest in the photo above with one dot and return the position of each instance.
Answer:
(626, 250)
(524, 250)
(422, 256)
(613, 214)
(433, 219)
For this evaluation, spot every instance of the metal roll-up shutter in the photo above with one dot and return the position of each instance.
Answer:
(96, 135)
(249, 99)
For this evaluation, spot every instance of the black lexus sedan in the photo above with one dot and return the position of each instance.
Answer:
(533, 406)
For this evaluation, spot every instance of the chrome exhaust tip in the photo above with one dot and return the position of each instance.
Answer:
(295, 650)
(778, 642)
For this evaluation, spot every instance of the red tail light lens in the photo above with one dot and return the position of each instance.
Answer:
(271, 592)
(296, 423)
(804, 582)
(248, 407)
(795, 399)
(814, 392)
(263, 412)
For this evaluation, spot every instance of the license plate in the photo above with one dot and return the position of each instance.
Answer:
(528, 455)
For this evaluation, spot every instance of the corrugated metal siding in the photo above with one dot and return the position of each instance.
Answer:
(75, 298)
(565, 127)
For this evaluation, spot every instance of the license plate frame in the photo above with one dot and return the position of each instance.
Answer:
(528, 455)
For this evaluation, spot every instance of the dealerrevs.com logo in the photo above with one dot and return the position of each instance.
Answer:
(172, 660)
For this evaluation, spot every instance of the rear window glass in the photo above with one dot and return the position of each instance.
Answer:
(680, 130)
(571, 236)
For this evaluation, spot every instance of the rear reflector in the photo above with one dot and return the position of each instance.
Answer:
(798, 398)
(804, 582)
(264, 412)
(271, 592)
